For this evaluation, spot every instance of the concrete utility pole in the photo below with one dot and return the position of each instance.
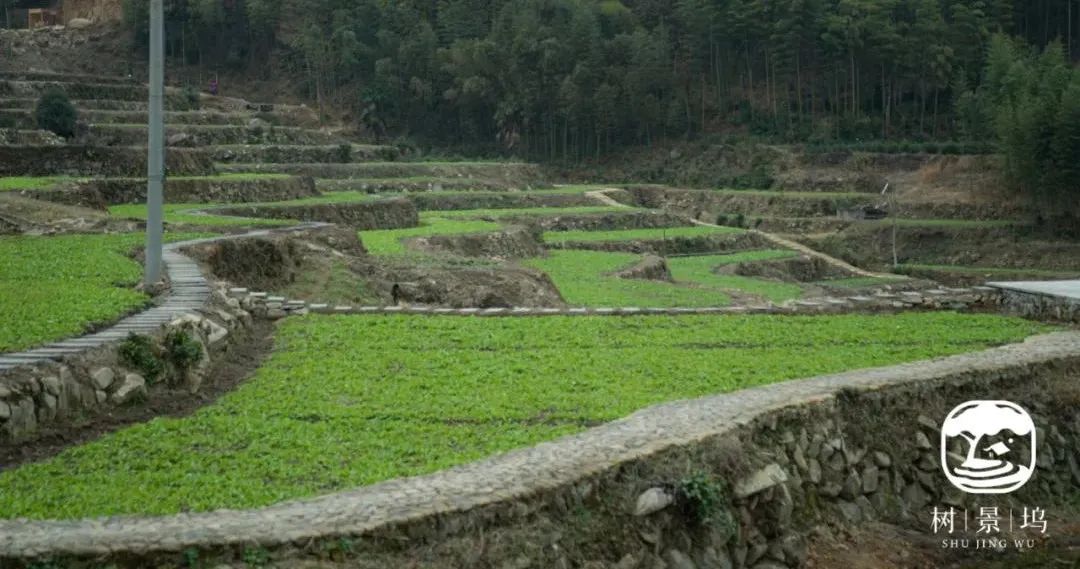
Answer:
(155, 150)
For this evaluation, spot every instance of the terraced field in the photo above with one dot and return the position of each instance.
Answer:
(348, 400)
(405, 396)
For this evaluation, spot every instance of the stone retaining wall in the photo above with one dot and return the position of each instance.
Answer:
(839, 450)
(707, 204)
(379, 214)
(615, 220)
(87, 161)
(281, 153)
(197, 135)
(513, 174)
(105, 192)
(1040, 306)
(501, 200)
(964, 299)
(716, 243)
(96, 380)
(515, 242)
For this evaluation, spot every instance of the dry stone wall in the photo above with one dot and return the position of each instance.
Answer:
(105, 192)
(378, 214)
(514, 242)
(1040, 306)
(93, 381)
(92, 161)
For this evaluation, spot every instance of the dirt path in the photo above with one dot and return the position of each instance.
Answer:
(601, 196)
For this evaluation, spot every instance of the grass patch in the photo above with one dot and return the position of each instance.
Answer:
(388, 241)
(659, 233)
(55, 287)
(401, 396)
(10, 183)
(330, 281)
(182, 213)
(583, 278)
(699, 269)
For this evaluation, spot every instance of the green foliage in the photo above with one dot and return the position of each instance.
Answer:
(1032, 101)
(574, 79)
(256, 556)
(191, 97)
(344, 152)
(54, 287)
(54, 112)
(351, 400)
(701, 497)
(182, 350)
(137, 351)
(191, 558)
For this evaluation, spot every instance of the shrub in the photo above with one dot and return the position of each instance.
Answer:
(182, 349)
(54, 112)
(138, 352)
(700, 497)
(344, 152)
(740, 220)
(191, 97)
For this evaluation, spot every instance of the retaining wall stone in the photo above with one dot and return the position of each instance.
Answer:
(93, 381)
(1040, 306)
(392, 213)
(106, 192)
(84, 161)
(514, 242)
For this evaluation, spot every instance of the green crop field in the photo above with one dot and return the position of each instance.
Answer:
(584, 278)
(182, 213)
(53, 287)
(352, 400)
(657, 233)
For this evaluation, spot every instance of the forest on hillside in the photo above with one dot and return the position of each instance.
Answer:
(567, 79)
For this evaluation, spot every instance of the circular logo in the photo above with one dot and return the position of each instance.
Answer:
(988, 447)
